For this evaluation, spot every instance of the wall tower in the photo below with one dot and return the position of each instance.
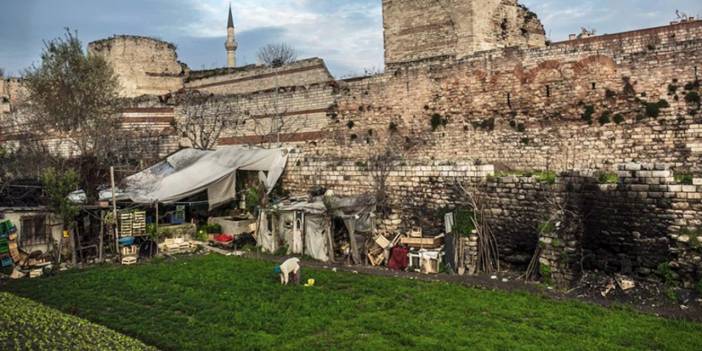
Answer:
(231, 43)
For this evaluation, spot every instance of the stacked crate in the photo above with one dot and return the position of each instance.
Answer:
(8, 243)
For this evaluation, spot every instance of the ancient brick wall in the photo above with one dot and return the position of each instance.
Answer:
(144, 66)
(255, 78)
(528, 109)
(421, 29)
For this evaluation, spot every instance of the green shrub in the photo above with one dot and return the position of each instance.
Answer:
(253, 198)
(545, 272)
(662, 103)
(548, 177)
(692, 85)
(587, 114)
(652, 110)
(437, 121)
(463, 219)
(604, 119)
(693, 97)
(618, 118)
(546, 227)
(608, 178)
(684, 178)
(699, 287)
(672, 89)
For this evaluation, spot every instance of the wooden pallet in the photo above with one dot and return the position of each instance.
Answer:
(130, 260)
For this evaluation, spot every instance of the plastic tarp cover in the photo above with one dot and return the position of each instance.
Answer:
(189, 172)
(316, 232)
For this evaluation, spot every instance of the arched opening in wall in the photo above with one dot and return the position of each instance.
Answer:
(594, 86)
(548, 91)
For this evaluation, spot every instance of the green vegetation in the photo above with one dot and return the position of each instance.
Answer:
(437, 121)
(463, 219)
(548, 177)
(684, 178)
(545, 272)
(608, 178)
(215, 303)
(618, 118)
(546, 227)
(699, 287)
(652, 110)
(27, 325)
(693, 98)
(669, 279)
(587, 114)
(604, 118)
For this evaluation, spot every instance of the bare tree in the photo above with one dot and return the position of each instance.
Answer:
(2, 72)
(488, 250)
(72, 105)
(276, 55)
(206, 116)
(272, 122)
(380, 165)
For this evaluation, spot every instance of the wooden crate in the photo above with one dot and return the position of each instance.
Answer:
(129, 260)
(423, 243)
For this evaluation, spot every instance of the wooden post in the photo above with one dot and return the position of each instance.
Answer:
(330, 240)
(102, 234)
(114, 213)
(156, 220)
(352, 239)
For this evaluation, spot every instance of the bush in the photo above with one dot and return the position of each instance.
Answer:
(545, 272)
(618, 118)
(437, 121)
(463, 219)
(652, 110)
(692, 85)
(604, 119)
(548, 177)
(546, 227)
(663, 103)
(608, 178)
(350, 124)
(587, 114)
(699, 287)
(693, 97)
(684, 178)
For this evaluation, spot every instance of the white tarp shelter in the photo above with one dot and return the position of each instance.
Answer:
(305, 226)
(191, 171)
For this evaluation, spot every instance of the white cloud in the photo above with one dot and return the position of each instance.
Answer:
(348, 36)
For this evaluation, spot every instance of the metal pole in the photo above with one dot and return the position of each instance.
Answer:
(156, 221)
(114, 211)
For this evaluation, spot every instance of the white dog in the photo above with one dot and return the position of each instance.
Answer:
(290, 266)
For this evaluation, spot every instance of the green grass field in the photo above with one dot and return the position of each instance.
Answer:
(215, 303)
(27, 325)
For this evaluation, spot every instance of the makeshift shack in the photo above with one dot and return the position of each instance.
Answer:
(307, 226)
(207, 175)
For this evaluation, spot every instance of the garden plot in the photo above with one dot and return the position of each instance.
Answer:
(27, 325)
(215, 303)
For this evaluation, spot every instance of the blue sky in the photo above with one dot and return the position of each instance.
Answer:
(346, 33)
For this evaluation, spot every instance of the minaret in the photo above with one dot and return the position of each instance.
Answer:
(231, 44)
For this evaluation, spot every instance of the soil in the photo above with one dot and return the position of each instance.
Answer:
(648, 297)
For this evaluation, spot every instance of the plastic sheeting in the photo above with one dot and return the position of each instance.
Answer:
(190, 171)
(317, 237)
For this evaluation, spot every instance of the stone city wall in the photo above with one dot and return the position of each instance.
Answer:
(144, 66)
(255, 78)
(420, 29)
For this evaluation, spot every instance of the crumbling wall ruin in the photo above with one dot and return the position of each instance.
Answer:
(426, 29)
(144, 66)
